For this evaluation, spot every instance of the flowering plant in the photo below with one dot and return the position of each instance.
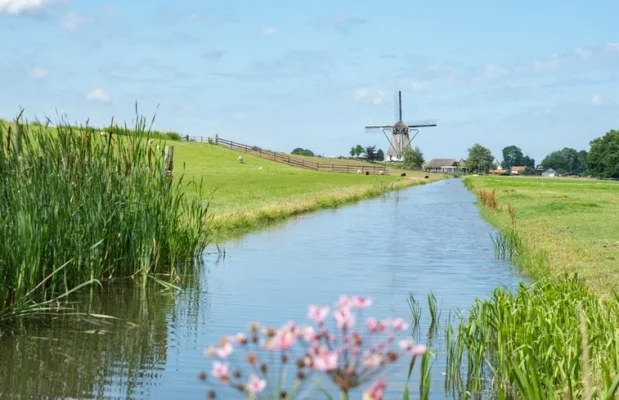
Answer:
(341, 353)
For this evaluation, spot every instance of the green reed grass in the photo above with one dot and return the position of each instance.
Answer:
(530, 343)
(102, 201)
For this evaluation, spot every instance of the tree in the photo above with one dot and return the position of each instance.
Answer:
(358, 150)
(566, 161)
(413, 158)
(528, 162)
(303, 152)
(480, 159)
(370, 153)
(512, 155)
(353, 151)
(603, 157)
(380, 156)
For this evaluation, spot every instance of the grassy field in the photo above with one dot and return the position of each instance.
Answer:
(245, 196)
(565, 225)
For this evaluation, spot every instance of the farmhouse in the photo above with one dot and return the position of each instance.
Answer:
(517, 170)
(549, 173)
(445, 165)
(498, 171)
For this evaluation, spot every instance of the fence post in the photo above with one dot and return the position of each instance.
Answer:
(216, 139)
(331, 167)
(245, 148)
(273, 156)
(260, 151)
(288, 159)
(168, 160)
(317, 167)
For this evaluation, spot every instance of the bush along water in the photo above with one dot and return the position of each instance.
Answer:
(337, 346)
(80, 206)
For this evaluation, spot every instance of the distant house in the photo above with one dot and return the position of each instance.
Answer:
(444, 165)
(549, 173)
(516, 170)
(498, 171)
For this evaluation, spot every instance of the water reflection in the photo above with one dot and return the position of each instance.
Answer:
(426, 238)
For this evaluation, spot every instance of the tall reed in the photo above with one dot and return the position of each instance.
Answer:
(530, 343)
(102, 203)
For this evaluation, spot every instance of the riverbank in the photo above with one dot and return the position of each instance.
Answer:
(564, 225)
(258, 192)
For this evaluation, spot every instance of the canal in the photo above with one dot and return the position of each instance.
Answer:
(424, 239)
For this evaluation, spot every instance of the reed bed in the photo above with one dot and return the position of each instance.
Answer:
(78, 206)
(551, 339)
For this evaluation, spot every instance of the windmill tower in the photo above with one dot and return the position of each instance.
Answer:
(400, 138)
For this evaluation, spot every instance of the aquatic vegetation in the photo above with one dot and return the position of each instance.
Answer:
(552, 338)
(78, 206)
(349, 352)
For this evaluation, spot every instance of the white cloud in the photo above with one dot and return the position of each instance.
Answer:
(18, 7)
(98, 94)
(372, 96)
(493, 71)
(73, 21)
(270, 31)
(583, 53)
(38, 73)
(612, 47)
(596, 101)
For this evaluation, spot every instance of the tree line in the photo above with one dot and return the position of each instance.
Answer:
(600, 161)
(369, 153)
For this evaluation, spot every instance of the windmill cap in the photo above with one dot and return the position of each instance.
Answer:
(400, 127)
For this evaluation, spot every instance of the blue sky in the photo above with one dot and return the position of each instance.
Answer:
(283, 74)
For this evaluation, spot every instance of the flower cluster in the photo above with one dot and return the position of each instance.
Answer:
(341, 352)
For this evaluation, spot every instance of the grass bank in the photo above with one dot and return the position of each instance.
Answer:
(558, 337)
(562, 225)
(248, 196)
(79, 207)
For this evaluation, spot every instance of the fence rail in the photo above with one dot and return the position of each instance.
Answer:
(290, 159)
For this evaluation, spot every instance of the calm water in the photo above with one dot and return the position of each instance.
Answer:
(426, 238)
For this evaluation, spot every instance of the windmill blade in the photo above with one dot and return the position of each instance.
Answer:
(422, 124)
(396, 107)
(379, 127)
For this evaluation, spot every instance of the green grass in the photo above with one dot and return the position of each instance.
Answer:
(564, 225)
(79, 207)
(259, 191)
(531, 344)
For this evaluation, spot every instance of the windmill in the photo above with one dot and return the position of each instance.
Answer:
(400, 138)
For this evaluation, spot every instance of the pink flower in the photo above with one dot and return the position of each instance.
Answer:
(317, 313)
(239, 338)
(344, 319)
(374, 326)
(372, 360)
(220, 371)
(344, 301)
(308, 333)
(325, 360)
(283, 340)
(419, 350)
(399, 324)
(255, 384)
(361, 302)
(224, 350)
(414, 350)
(376, 391)
(211, 351)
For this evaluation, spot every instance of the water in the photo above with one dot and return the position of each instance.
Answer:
(426, 238)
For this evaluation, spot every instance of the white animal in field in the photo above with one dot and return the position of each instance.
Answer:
(358, 172)
(381, 172)
(240, 159)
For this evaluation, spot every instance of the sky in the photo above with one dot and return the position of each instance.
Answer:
(312, 74)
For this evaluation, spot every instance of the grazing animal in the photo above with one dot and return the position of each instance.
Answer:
(427, 176)
(367, 172)
(403, 174)
(358, 172)
(381, 172)
(240, 159)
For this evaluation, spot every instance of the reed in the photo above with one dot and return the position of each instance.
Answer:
(101, 204)
(552, 338)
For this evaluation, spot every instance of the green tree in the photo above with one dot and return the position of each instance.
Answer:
(528, 162)
(303, 152)
(358, 150)
(380, 156)
(370, 153)
(413, 158)
(512, 155)
(603, 157)
(566, 161)
(480, 159)
(353, 151)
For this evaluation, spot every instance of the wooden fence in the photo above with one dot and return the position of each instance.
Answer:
(291, 159)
